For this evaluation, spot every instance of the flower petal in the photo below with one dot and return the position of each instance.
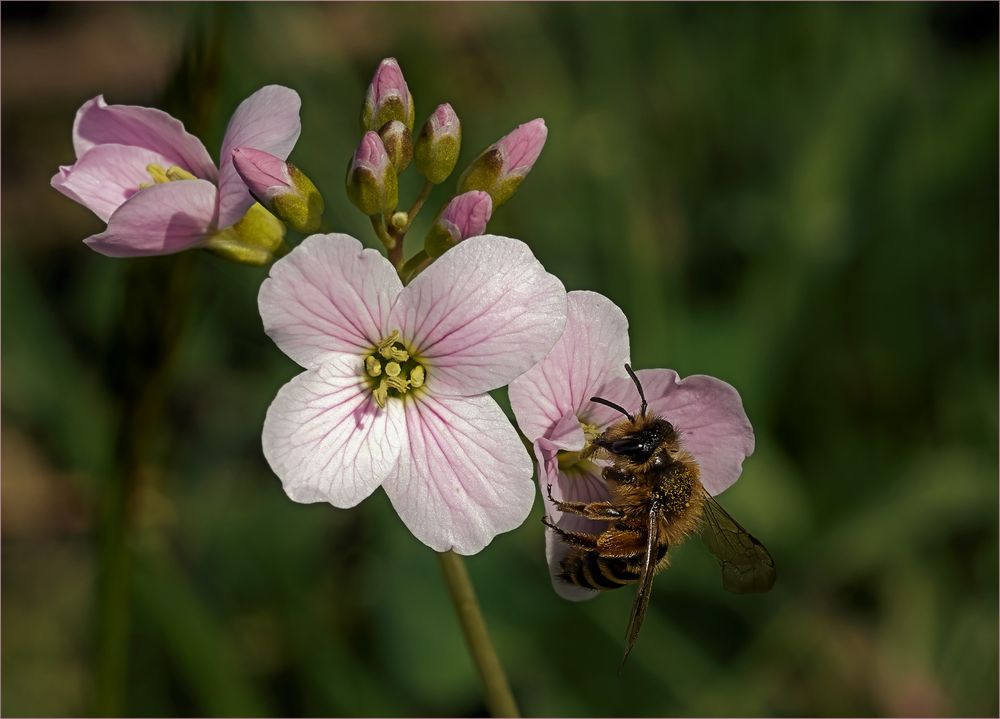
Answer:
(481, 315)
(106, 176)
(328, 296)
(593, 348)
(327, 440)
(707, 414)
(159, 220)
(268, 120)
(466, 476)
(98, 123)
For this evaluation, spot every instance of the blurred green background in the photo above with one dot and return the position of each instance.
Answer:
(800, 199)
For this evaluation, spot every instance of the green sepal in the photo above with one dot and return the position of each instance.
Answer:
(254, 240)
(438, 241)
(368, 194)
(436, 159)
(302, 210)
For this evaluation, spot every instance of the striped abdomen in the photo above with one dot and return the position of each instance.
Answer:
(588, 569)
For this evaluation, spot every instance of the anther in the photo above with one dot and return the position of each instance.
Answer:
(387, 348)
(417, 377)
(179, 173)
(396, 383)
(372, 366)
(381, 394)
(157, 172)
(392, 369)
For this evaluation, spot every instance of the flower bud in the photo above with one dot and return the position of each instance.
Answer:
(503, 165)
(465, 216)
(437, 147)
(281, 188)
(388, 98)
(398, 144)
(254, 240)
(371, 178)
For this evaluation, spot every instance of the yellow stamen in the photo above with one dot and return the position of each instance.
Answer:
(417, 377)
(396, 383)
(387, 348)
(381, 394)
(157, 172)
(372, 366)
(392, 369)
(179, 173)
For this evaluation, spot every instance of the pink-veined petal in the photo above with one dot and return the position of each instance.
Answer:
(106, 176)
(98, 123)
(327, 439)
(268, 120)
(707, 413)
(481, 315)
(159, 220)
(593, 348)
(328, 296)
(465, 477)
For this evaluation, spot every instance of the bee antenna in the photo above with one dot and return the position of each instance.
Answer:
(638, 386)
(612, 405)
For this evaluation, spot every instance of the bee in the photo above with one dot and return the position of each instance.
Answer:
(657, 501)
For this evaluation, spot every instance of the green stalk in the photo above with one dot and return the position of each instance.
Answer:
(418, 203)
(499, 699)
(154, 311)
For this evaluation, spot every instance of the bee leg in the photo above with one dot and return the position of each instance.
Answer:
(605, 511)
(577, 539)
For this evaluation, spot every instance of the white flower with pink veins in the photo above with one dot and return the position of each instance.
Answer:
(394, 392)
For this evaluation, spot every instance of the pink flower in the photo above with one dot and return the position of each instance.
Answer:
(394, 388)
(127, 158)
(551, 402)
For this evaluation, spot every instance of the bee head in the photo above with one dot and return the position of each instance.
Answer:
(637, 445)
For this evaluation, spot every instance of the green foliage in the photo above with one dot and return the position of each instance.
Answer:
(799, 199)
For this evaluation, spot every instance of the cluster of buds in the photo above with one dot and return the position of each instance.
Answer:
(388, 148)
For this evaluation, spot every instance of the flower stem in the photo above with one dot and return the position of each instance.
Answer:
(418, 203)
(414, 266)
(156, 307)
(382, 231)
(499, 699)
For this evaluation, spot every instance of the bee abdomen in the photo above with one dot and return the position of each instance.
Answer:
(592, 571)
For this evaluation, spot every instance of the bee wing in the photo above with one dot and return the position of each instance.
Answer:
(645, 581)
(746, 565)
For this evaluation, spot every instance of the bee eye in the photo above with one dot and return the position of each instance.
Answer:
(632, 447)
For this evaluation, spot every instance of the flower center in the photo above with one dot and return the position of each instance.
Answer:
(171, 174)
(391, 370)
(568, 459)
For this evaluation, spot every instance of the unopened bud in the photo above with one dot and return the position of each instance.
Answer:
(398, 144)
(371, 178)
(281, 188)
(502, 166)
(464, 217)
(436, 151)
(388, 98)
(254, 240)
